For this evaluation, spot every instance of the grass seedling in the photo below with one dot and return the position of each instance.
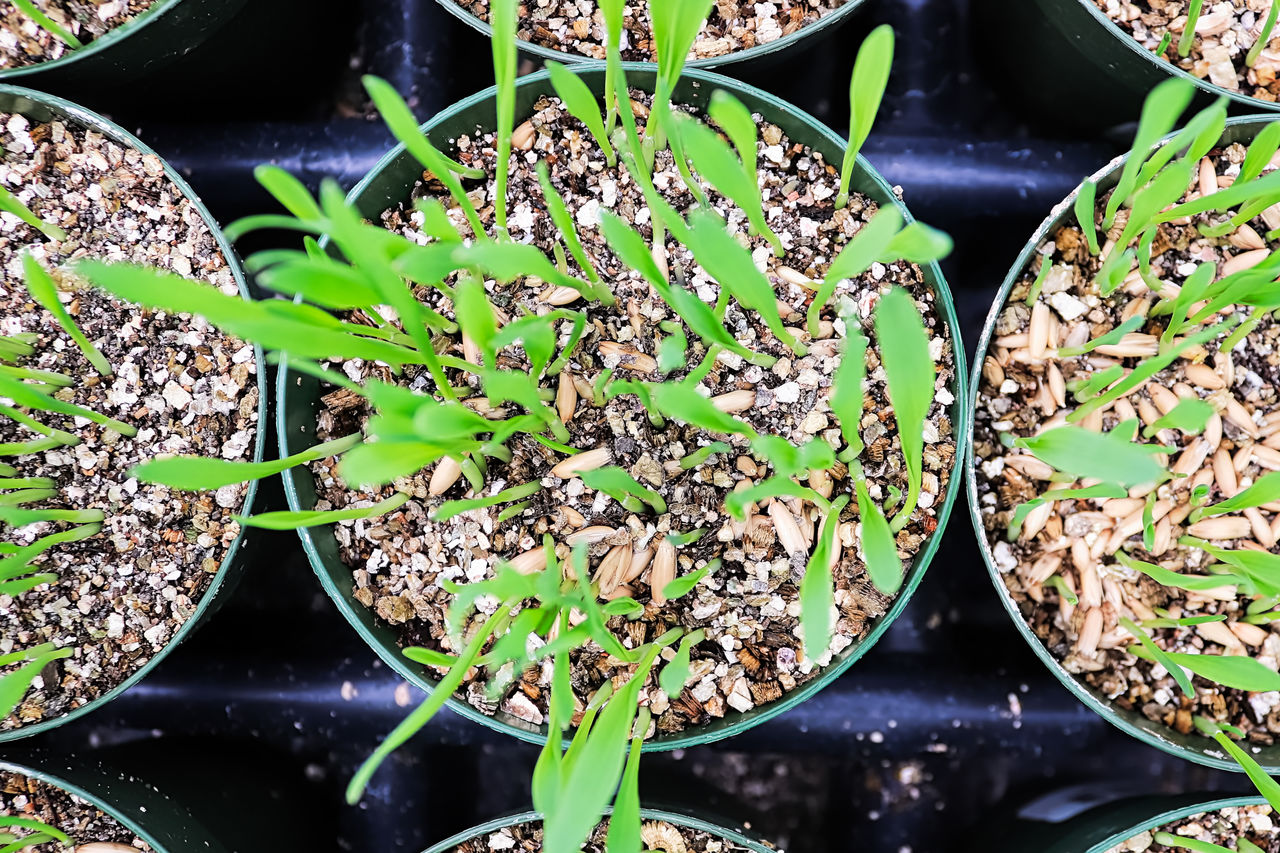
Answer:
(37, 833)
(490, 377)
(1189, 29)
(1264, 35)
(866, 89)
(61, 33)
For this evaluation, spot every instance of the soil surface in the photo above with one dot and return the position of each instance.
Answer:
(749, 606)
(22, 796)
(1223, 828)
(1225, 33)
(656, 835)
(1025, 388)
(577, 26)
(24, 42)
(187, 388)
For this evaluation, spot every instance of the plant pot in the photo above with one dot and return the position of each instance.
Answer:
(390, 183)
(141, 808)
(165, 32)
(42, 107)
(1194, 747)
(1065, 48)
(755, 845)
(773, 53)
(1100, 829)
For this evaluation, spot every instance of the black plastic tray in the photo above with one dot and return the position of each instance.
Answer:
(946, 725)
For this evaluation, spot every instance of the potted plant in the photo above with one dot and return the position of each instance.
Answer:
(1153, 825)
(100, 575)
(613, 432)
(734, 33)
(1121, 458)
(60, 41)
(70, 804)
(661, 830)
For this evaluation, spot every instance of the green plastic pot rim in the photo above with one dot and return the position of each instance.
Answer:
(1171, 815)
(685, 821)
(1092, 700)
(742, 56)
(1168, 67)
(98, 45)
(97, 802)
(945, 308)
(86, 118)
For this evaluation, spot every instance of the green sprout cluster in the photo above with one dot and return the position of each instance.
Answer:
(37, 833)
(1149, 190)
(356, 289)
(29, 398)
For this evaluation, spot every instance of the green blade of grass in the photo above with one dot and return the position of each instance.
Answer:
(43, 290)
(878, 545)
(286, 520)
(194, 473)
(1109, 457)
(1160, 113)
(904, 351)
(42, 20)
(866, 89)
(9, 203)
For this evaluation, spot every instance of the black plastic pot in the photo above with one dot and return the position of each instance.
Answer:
(1102, 828)
(786, 49)
(149, 813)
(1192, 746)
(738, 837)
(165, 32)
(42, 107)
(391, 183)
(1073, 66)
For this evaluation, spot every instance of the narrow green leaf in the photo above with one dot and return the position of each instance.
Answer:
(42, 289)
(683, 585)
(1086, 203)
(1189, 416)
(449, 509)
(878, 545)
(9, 203)
(615, 481)
(194, 473)
(904, 352)
(581, 104)
(866, 89)
(286, 520)
(1149, 650)
(1109, 457)
(61, 33)
(680, 401)
(1160, 113)
(1265, 490)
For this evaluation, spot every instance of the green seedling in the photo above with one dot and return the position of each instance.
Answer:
(61, 33)
(866, 89)
(1189, 29)
(37, 833)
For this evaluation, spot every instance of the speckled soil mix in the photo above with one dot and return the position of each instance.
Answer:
(1023, 390)
(577, 26)
(1223, 827)
(22, 796)
(23, 42)
(656, 835)
(749, 607)
(1225, 33)
(187, 388)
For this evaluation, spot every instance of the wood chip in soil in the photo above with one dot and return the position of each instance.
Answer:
(577, 26)
(23, 42)
(749, 607)
(22, 796)
(1023, 387)
(123, 593)
(1225, 33)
